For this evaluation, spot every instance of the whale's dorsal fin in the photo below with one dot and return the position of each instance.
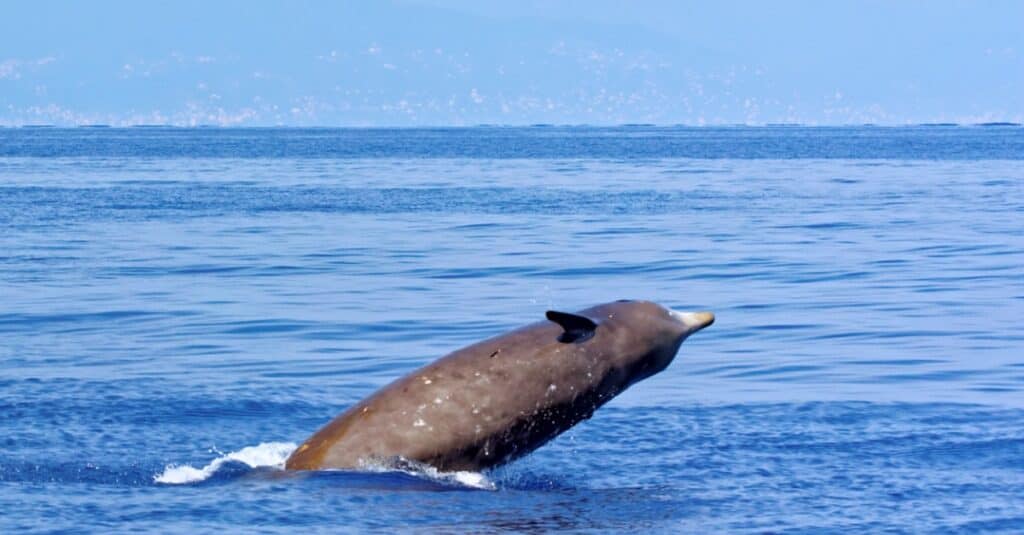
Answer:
(578, 329)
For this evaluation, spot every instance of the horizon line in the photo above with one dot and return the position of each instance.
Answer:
(495, 125)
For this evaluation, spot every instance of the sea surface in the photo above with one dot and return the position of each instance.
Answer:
(180, 307)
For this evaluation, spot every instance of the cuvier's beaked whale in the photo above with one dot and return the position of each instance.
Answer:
(500, 399)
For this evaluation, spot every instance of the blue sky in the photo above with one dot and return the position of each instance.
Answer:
(457, 62)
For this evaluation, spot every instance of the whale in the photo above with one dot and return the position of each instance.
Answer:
(497, 400)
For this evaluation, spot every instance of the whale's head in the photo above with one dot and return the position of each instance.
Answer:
(659, 332)
(637, 338)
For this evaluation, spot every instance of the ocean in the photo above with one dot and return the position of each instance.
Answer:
(180, 307)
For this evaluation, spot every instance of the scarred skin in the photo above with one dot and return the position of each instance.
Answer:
(497, 400)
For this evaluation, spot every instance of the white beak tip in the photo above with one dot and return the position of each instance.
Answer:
(695, 321)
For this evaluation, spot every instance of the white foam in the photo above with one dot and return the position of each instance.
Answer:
(465, 478)
(272, 454)
(474, 479)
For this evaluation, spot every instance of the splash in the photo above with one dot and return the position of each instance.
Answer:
(271, 454)
(465, 478)
(274, 455)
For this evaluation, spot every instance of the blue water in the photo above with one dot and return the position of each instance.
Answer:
(180, 307)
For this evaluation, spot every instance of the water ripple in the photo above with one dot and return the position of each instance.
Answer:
(864, 372)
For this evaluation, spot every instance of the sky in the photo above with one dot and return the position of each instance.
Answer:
(464, 62)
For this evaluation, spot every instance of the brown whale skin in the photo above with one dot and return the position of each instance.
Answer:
(499, 399)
